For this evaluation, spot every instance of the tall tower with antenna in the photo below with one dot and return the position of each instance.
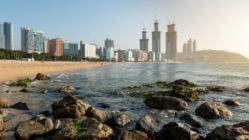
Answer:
(156, 41)
(144, 42)
(171, 42)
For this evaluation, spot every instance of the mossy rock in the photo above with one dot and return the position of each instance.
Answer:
(216, 88)
(41, 76)
(159, 84)
(149, 93)
(24, 90)
(183, 82)
(246, 89)
(66, 89)
(232, 103)
(8, 91)
(24, 82)
(187, 94)
(80, 126)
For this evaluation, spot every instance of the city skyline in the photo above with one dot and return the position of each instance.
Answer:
(220, 25)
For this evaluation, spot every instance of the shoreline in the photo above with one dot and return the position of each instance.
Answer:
(11, 70)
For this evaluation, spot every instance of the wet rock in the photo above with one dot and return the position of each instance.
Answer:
(96, 113)
(24, 82)
(192, 120)
(148, 124)
(216, 88)
(184, 82)
(118, 120)
(66, 89)
(20, 106)
(89, 129)
(38, 125)
(3, 102)
(230, 132)
(177, 131)
(131, 135)
(185, 93)
(44, 91)
(24, 90)
(1, 123)
(8, 91)
(232, 103)
(166, 102)
(69, 107)
(246, 89)
(213, 110)
(41, 76)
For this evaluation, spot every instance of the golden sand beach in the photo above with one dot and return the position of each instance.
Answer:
(11, 70)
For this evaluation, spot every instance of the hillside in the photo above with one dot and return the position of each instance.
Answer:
(213, 56)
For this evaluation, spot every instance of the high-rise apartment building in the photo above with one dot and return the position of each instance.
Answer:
(2, 37)
(31, 40)
(156, 41)
(184, 49)
(70, 48)
(87, 50)
(171, 43)
(109, 49)
(6, 36)
(194, 46)
(8, 32)
(45, 45)
(56, 47)
(189, 47)
(144, 42)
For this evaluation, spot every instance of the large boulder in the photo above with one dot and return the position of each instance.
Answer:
(131, 135)
(166, 102)
(232, 103)
(185, 93)
(23, 82)
(41, 76)
(89, 129)
(246, 89)
(230, 132)
(36, 126)
(69, 107)
(149, 125)
(192, 120)
(20, 106)
(212, 110)
(96, 113)
(216, 88)
(66, 89)
(184, 82)
(118, 120)
(3, 102)
(177, 131)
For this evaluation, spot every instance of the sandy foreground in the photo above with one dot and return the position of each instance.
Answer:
(11, 70)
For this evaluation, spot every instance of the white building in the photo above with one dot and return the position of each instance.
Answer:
(87, 50)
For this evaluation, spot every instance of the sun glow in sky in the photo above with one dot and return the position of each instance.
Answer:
(215, 24)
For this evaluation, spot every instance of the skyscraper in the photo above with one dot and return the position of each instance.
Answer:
(2, 37)
(56, 47)
(87, 50)
(8, 32)
(156, 39)
(70, 48)
(109, 49)
(194, 46)
(171, 43)
(31, 40)
(189, 47)
(144, 42)
(184, 50)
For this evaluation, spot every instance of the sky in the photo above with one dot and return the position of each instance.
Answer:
(215, 24)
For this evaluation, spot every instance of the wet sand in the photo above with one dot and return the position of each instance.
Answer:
(11, 70)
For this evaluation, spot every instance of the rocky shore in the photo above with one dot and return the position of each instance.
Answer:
(73, 118)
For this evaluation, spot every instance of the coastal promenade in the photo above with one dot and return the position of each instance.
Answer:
(11, 70)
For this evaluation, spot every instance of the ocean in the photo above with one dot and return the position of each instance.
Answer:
(103, 87)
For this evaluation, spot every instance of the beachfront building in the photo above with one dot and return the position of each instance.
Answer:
(31, 40)
(100, 53)
(129, 56)
(184, 49)
(87, 50)
(151, 56)
(144, 42)
(2, 37)
(141, 56)
(109, 50)
(171, 43)
(70, 48)
(56, 47)
(194, 46)
(45, 45)
(6, 36)
(156, 41)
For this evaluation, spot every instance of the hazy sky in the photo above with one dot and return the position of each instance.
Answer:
(215, 24)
